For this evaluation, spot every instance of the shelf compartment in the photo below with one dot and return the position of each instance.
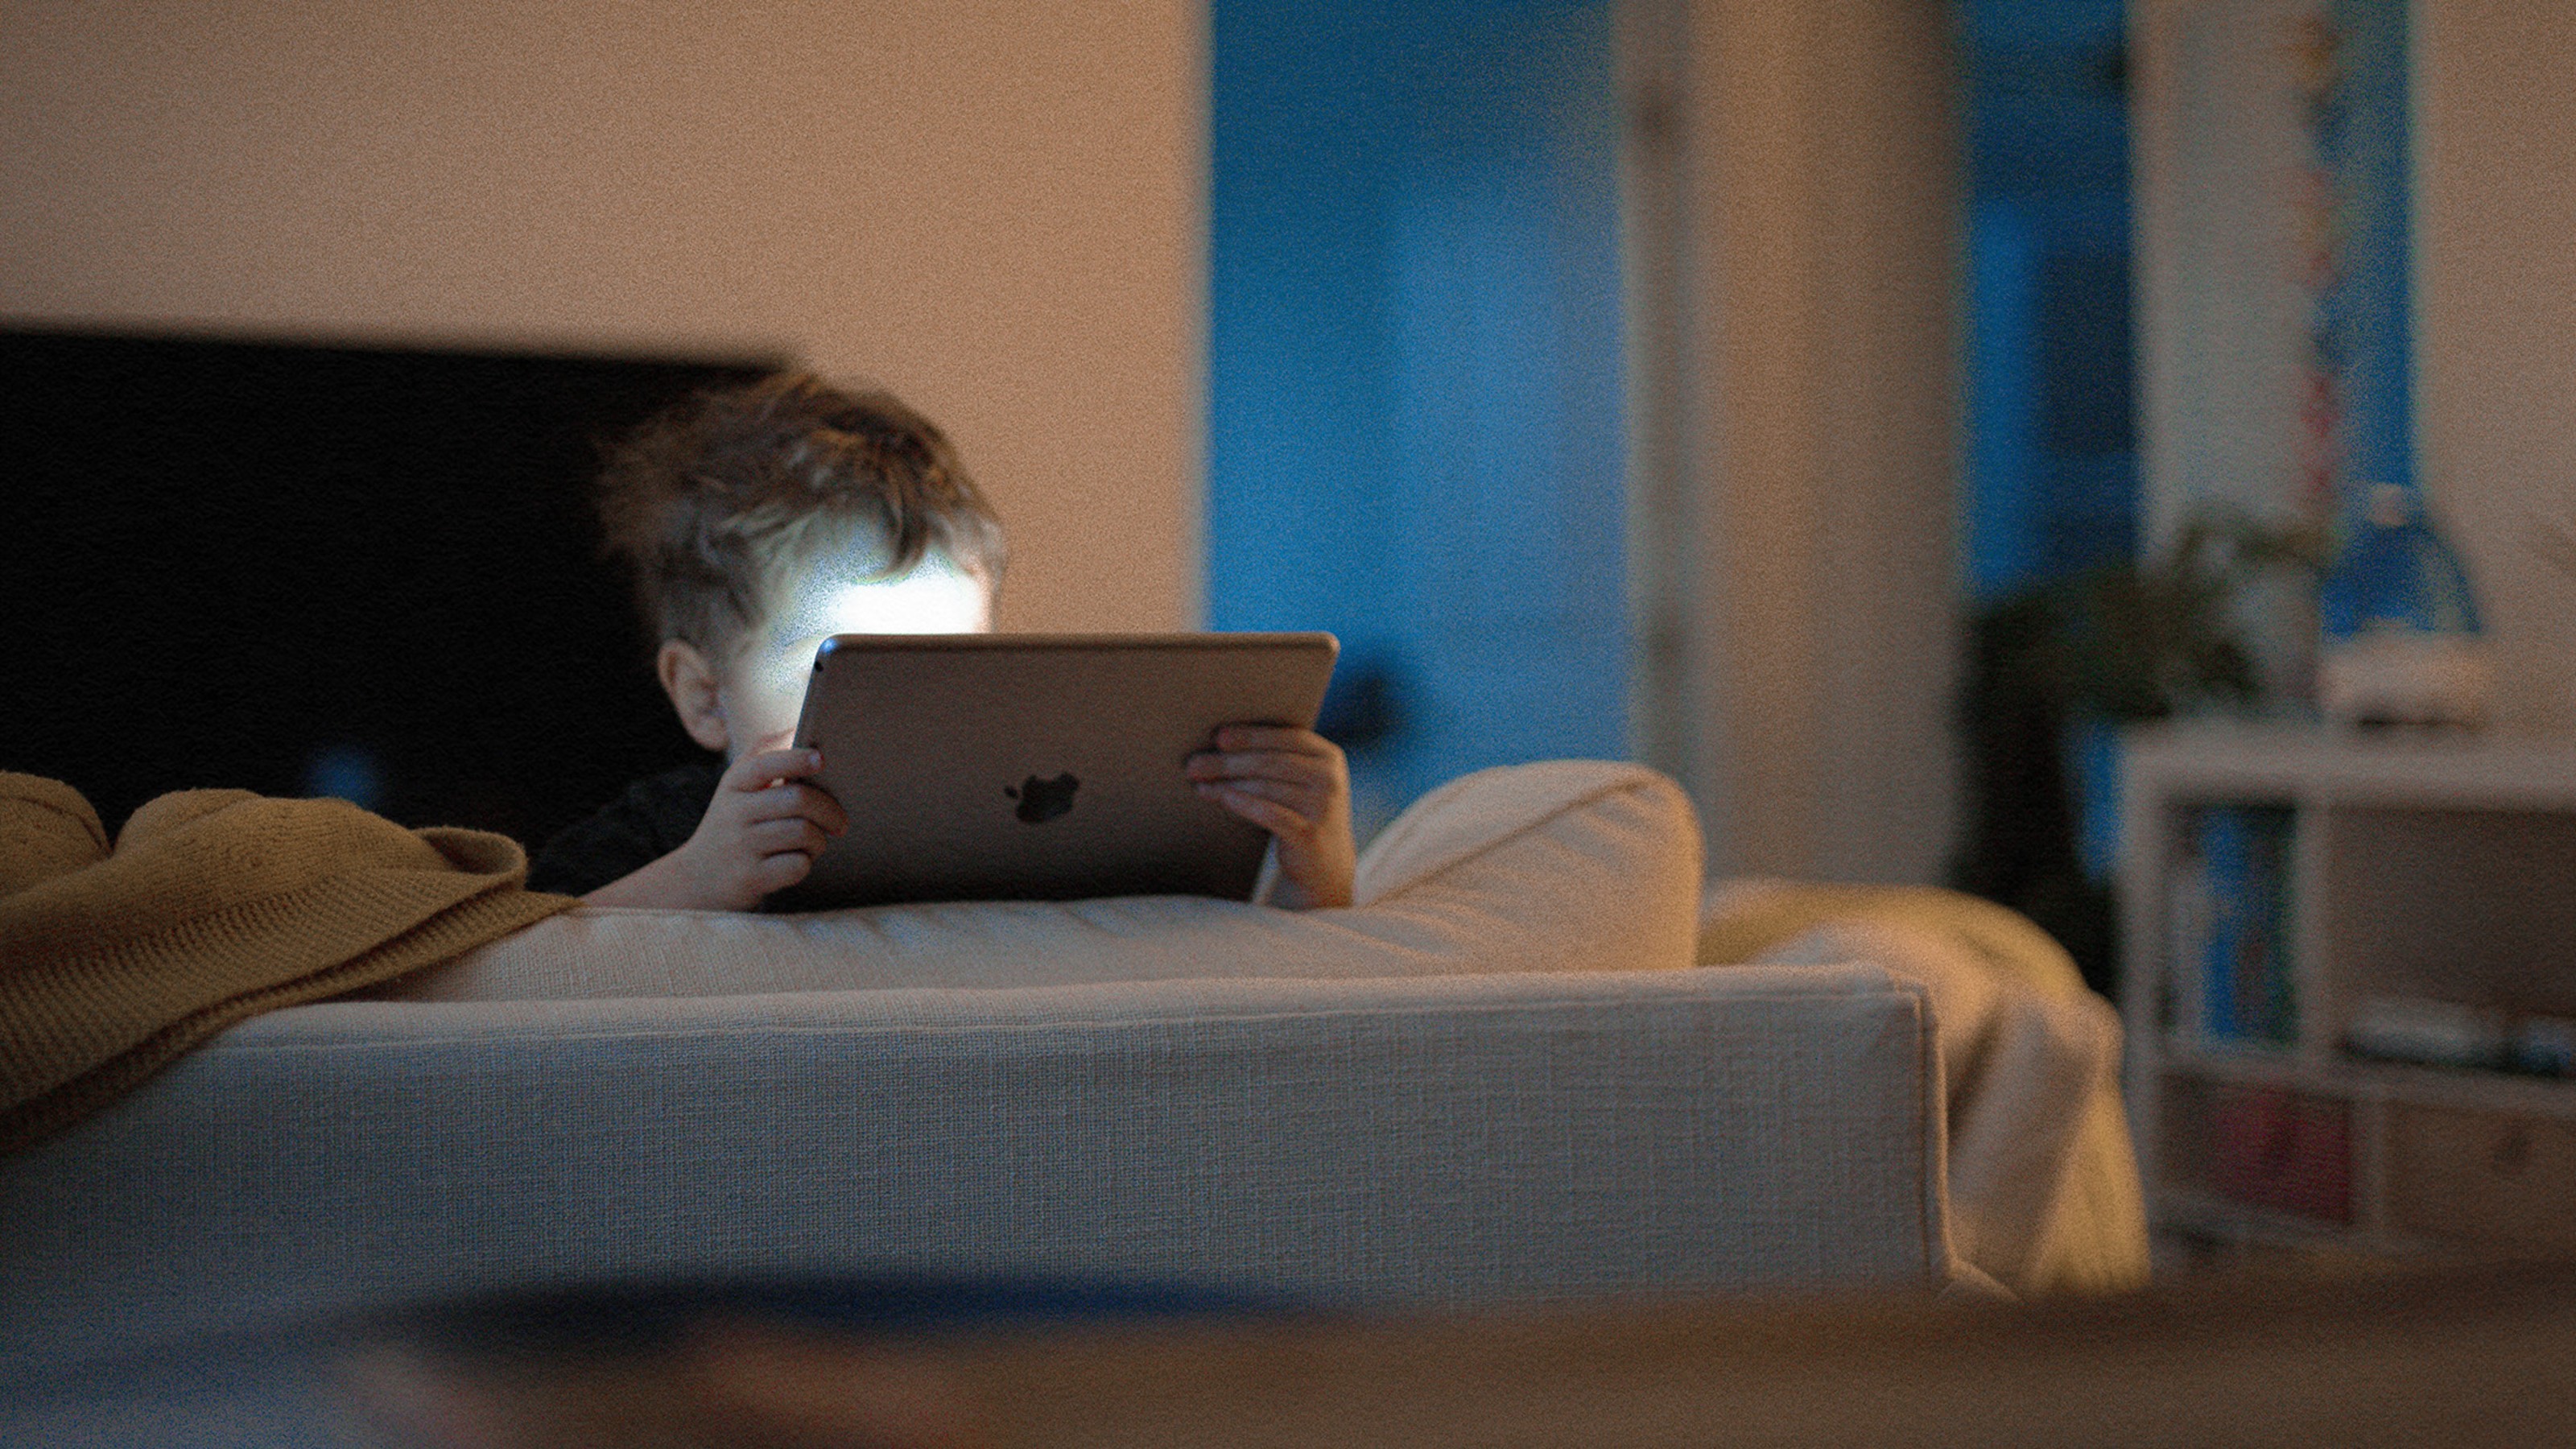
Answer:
(2267, 1145)
(2429, 872)
(2501, 1179)
(2474, 907)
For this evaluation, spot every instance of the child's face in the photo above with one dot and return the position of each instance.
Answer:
(761, 688)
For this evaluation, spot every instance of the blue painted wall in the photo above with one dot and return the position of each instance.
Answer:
(2050, 455)
(1414, 432)
(2364, 325)
(2049, 484)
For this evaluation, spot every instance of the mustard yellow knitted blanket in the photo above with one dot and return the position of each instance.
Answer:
(211, 906)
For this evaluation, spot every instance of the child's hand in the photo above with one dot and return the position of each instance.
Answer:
(1294, 784)
(761, 833)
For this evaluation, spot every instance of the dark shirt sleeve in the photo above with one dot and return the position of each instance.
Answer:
(648, 820)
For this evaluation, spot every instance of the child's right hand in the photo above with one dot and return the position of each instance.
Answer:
(761, 833)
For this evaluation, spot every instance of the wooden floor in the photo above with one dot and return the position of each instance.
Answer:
(2477, 1356)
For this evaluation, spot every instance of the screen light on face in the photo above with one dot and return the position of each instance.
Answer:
(929, 600)
(764, 687)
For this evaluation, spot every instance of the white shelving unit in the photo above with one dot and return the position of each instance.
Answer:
(2426, 868)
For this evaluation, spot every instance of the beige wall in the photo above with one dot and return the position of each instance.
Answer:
(1821, 216)
(2495, 275)
(994, 208)
(2496, 321)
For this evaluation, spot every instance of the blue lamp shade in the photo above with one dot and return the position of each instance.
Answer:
(2401, 641)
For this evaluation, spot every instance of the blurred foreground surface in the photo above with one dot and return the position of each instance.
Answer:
(2464, 1356)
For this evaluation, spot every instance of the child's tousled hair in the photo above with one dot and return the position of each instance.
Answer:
(713, 500)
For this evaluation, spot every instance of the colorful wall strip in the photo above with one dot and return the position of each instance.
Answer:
(2349, 58)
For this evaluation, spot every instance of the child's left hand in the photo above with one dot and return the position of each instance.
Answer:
(1294, 784)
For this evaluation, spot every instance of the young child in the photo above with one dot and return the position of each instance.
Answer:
(760, 520)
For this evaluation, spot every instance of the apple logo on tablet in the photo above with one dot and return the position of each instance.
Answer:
(1043, 800)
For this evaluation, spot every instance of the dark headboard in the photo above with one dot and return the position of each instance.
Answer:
(322, 570)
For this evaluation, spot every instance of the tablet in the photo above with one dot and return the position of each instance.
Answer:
(1040, 767)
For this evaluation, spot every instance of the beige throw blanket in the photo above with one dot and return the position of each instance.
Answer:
(212, 906)
(2044, 1190)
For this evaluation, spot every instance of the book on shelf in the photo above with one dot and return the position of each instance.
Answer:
(2229, 921)
(2283, 1150)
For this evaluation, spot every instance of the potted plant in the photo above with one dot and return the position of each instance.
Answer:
(2054, 671)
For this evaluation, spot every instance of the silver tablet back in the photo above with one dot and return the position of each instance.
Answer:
(1040, 767)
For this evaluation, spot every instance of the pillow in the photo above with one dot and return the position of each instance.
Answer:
(1562, 866)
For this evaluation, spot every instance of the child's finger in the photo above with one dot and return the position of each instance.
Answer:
(798, 801)
(796, 833)
(1260, 764)
(759, 772)
(778, 872)
(819, 807)
(1274, 737)
(1304, 800)
(1276, 818)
